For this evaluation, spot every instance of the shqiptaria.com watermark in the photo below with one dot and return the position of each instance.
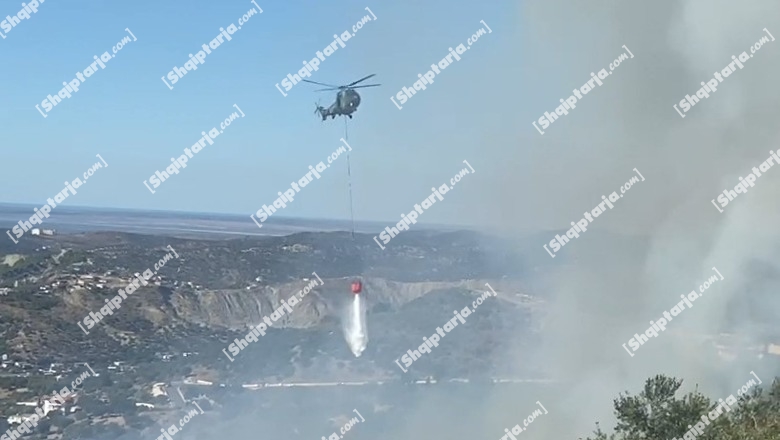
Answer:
(115, 303)
(563, 109)
(181, 162)
(660, 324)
(582, 225)
(73, 86)
(749, 181)
(406, 93)
(289, 194)
(60, 197)
(58, 398)
(433, 341)
(200, 57)
(173, 429)
(390, 232)
(308, 66)
(698, 429)
(517, 429)
(347, 426)
(712, 85)
(260, 329)
(11, 21)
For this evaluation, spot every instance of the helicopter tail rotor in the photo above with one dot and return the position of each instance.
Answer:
(319, 109)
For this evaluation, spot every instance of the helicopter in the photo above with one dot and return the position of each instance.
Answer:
(347, 99)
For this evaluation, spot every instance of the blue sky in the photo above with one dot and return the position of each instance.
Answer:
(126, 114)
(479, 109)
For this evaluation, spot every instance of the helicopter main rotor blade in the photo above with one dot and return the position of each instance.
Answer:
(327, 90)
(369, 85)
(360, 80)
(319, 84)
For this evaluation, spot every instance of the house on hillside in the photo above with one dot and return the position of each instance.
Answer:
(158, 389)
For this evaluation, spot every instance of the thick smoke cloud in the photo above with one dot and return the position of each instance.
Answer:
(662, 239)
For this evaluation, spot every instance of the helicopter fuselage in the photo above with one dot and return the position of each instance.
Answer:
(347, 102)
(347, 99)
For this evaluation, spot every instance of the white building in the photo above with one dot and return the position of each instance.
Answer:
(16, 419)
(158, 389)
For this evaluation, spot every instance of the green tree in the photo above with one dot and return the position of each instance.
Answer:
(656, 414)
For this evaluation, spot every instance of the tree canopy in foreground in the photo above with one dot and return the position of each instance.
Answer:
(656, 414)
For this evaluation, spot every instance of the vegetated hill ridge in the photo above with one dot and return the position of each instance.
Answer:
(215, 289)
